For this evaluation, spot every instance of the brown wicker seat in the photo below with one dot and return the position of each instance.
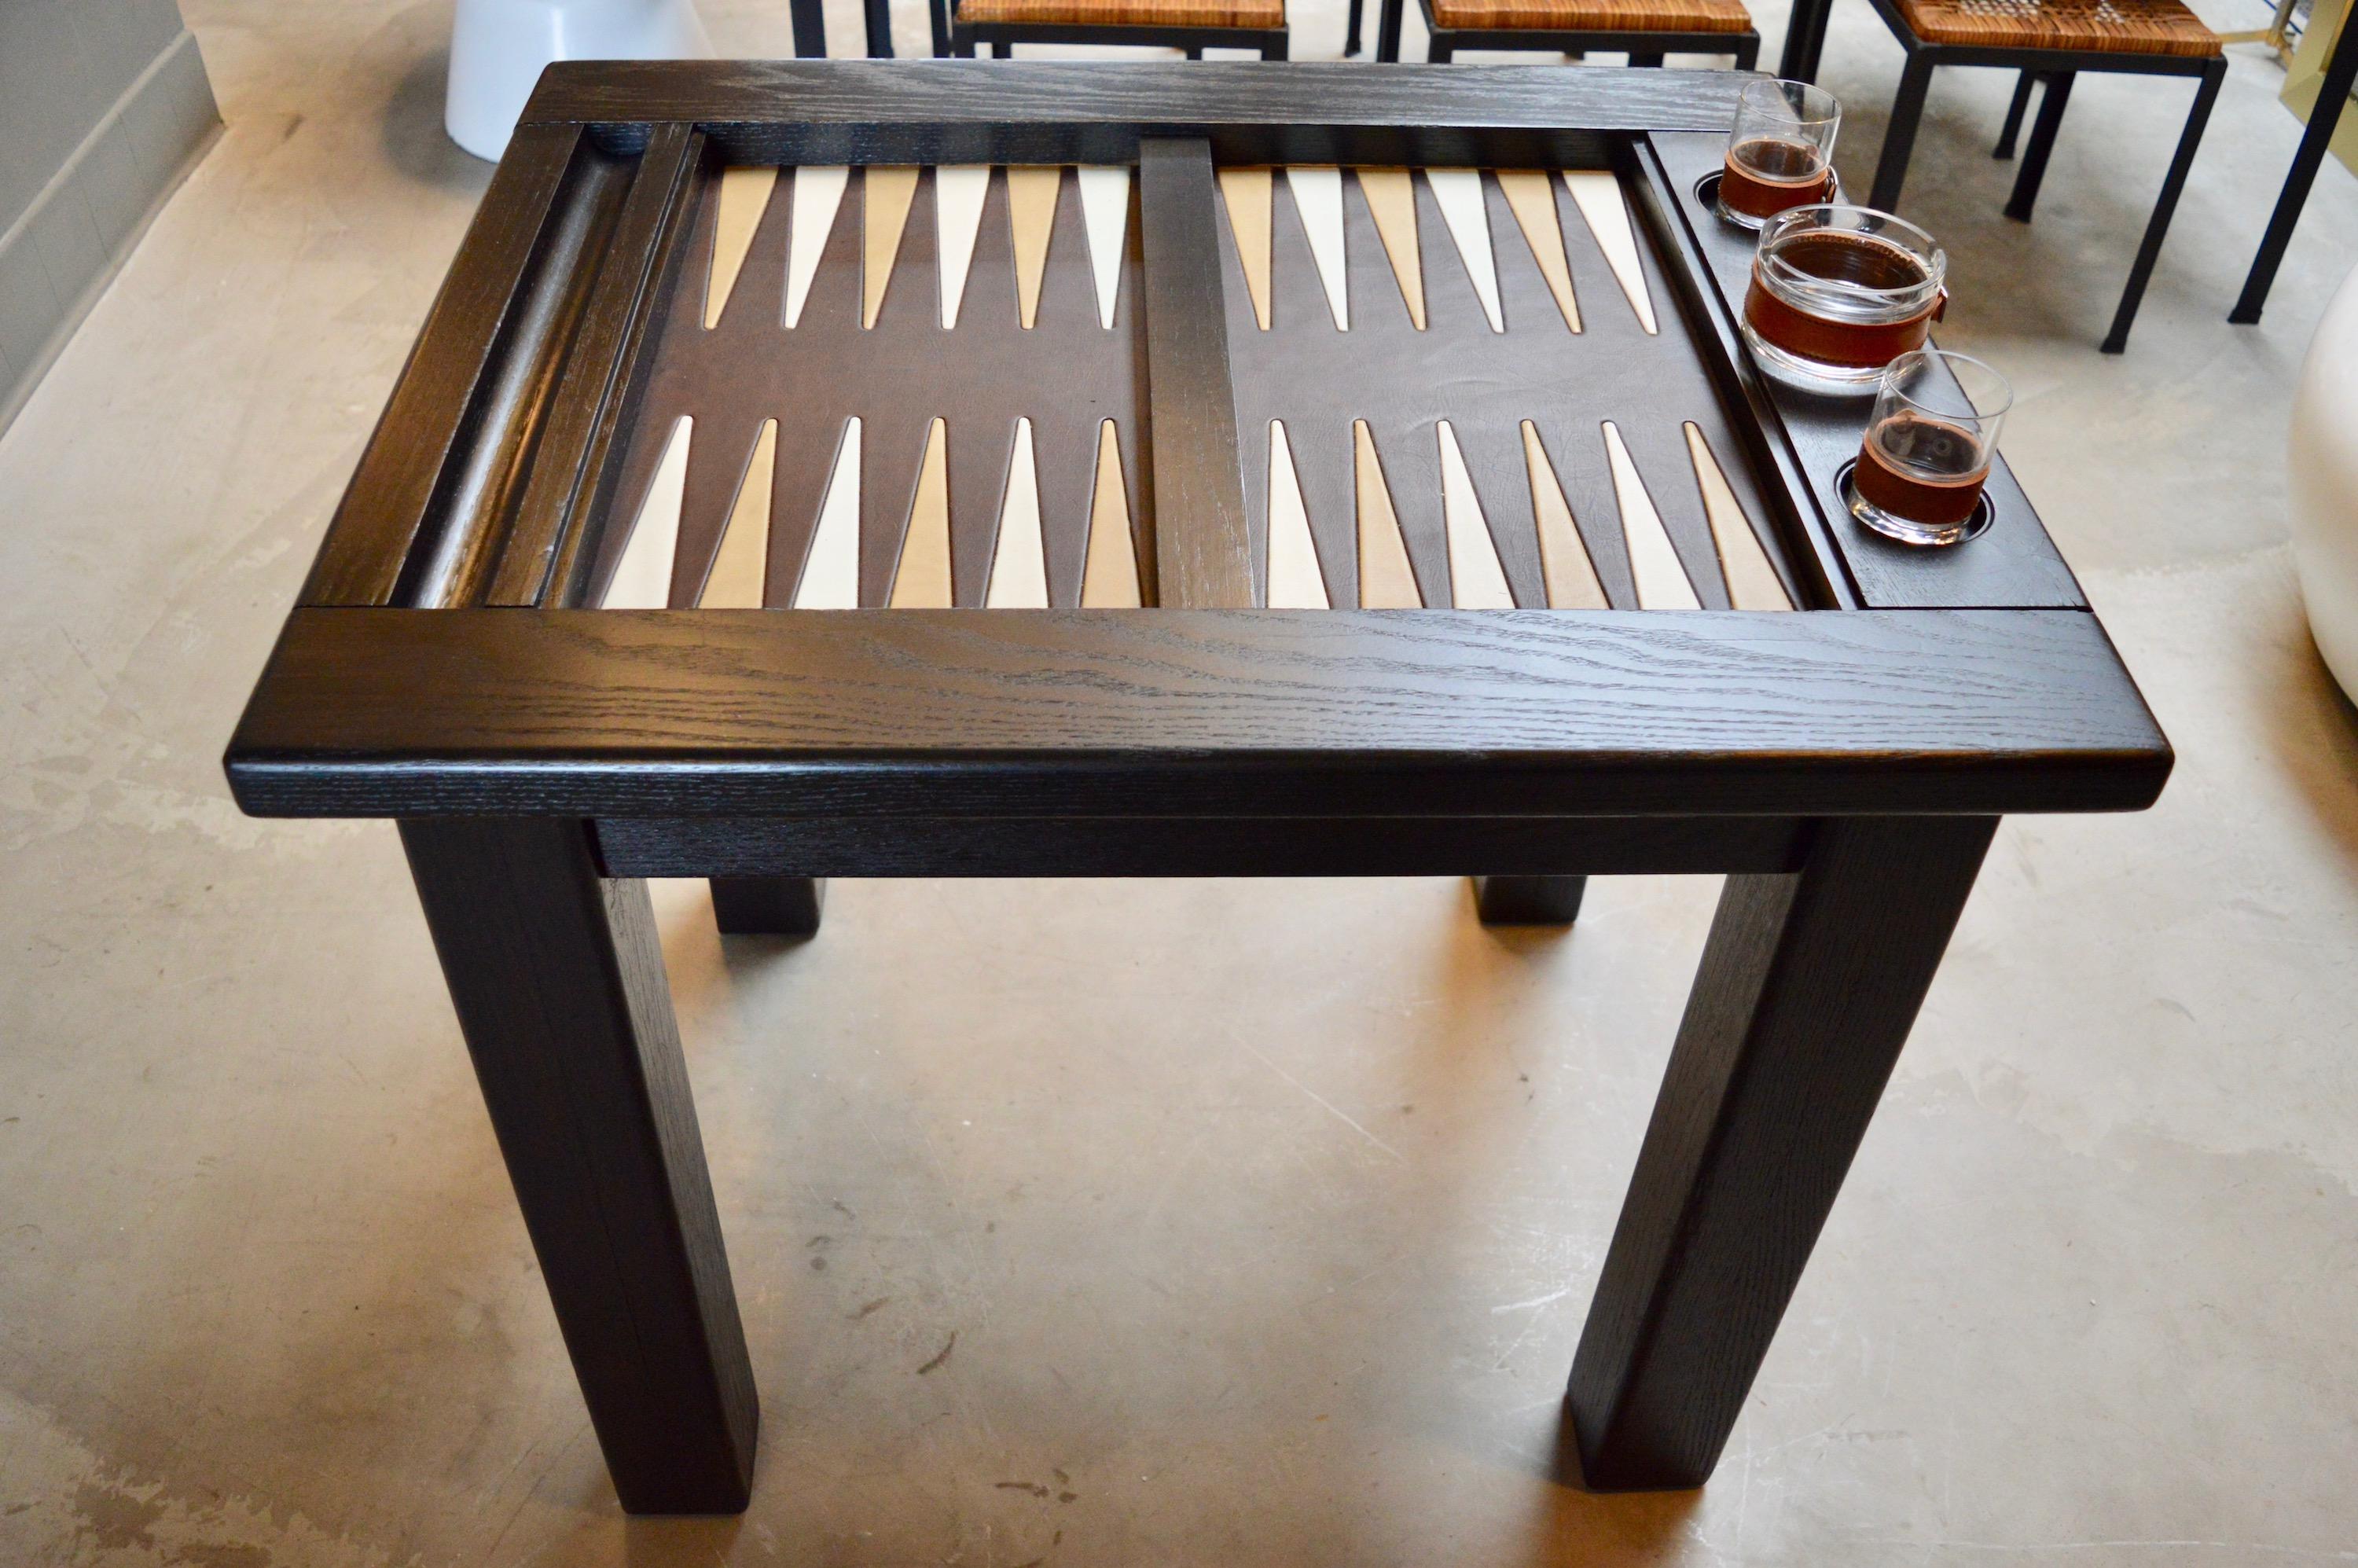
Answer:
(1253, 14)
(1644, 29)
(2116, 26)
(1594, 15)
(1191, 25)
(2050, 42)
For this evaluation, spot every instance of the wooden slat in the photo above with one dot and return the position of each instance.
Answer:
(1197, 847)
(391, 491)
(546, 553)
(1265, 712)
(792, 112)
(1203, 549)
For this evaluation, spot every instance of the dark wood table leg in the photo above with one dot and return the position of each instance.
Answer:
(2332, 95)
(1529, 901)
(558, 983)
(768, 906)
(810, 29)
(1810, 982)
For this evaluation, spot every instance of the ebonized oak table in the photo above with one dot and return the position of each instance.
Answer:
(948, 469)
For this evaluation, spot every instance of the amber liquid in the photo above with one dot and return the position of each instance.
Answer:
(1847, 258)
(1926, 470)
(1764, 175)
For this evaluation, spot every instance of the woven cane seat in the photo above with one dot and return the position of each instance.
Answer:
(2112, 26)
(1257, 13)
(1594, 15)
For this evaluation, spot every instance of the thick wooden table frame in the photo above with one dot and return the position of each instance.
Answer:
(1847, 768)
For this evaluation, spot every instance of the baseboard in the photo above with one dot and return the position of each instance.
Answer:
(58, 255)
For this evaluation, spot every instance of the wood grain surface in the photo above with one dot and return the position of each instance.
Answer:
(1202, 540)
(458, 348)
(1182, 712)
(557, 977)
(1045, 111)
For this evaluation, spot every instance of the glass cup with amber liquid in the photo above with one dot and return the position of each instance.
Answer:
(1780, 152)
(1838, 293)
(1927, 450)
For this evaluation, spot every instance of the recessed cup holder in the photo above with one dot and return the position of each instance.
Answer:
(1984, 514)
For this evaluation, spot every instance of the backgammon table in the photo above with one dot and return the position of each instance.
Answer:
(841, 469)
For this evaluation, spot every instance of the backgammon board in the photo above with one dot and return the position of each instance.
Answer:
(973, 468)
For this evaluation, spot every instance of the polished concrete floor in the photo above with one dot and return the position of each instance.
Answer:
(1245, 1222)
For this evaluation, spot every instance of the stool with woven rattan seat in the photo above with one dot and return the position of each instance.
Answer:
(1644, 29)
(2049, 41)
(1190, 25)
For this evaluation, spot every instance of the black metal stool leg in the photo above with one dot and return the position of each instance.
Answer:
(938, 14)
(1387, 31)
(810, 29)
(1900, 136)
(2042, 144)
(1439, 50)
(1648, 58)
(879, 16)
(1351, 29)
(2334, 91)
(2173, 185)
(2014, 112)
(1748, 53)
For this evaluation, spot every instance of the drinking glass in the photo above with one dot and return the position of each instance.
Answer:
(1779, 153)
(1928, 446)
(1838, 293)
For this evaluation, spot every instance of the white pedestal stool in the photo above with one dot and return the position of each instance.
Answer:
(499, 48)
(2323, 457)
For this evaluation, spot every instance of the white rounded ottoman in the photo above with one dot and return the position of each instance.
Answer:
(499, 48)
(2323, 463)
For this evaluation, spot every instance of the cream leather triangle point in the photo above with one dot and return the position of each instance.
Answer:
(1032, 210)
(1459, 193)
(1392, 202)
(641, 579)
(1105, 213)
(1599, 195)
(742, 565)
(744, 196)
(1295, 579)
(1564, 560)
(1476, 580)
(884, 201)
(1246, 193)
(819, 194)
(921, 580)
(1318, 199)
(831, 579)
(1532, 200)
(1654, 562)
(1752, 581)
(1018, 565)
(959, 192)
(1387, 581)
(1109, 573)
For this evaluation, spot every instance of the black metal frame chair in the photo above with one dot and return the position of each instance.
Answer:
(955, 37)
(1644, 48)
(2055, 66)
